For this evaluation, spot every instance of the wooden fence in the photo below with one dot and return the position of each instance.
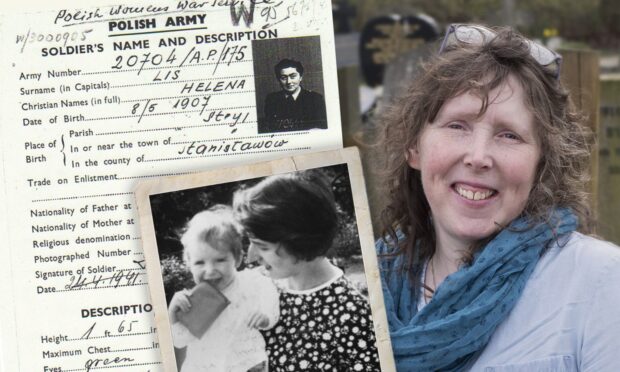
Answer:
(609, 161)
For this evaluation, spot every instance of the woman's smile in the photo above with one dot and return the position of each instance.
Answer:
(470, 192)
(477, 170)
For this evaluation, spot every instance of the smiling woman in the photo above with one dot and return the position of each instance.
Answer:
(477, 169)
(482, 264)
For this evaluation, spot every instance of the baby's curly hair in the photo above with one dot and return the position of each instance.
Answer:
(565, 139)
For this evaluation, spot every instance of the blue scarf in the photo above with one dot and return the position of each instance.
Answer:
(468, 306)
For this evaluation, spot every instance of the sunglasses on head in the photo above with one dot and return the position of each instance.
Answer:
(479, 35)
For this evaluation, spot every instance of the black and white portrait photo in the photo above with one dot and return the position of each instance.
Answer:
(289, 85)
(266, 274)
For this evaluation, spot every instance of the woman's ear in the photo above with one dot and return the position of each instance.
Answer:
(413, 158)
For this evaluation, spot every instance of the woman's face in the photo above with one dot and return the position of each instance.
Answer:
(278, 263)
(477, 171)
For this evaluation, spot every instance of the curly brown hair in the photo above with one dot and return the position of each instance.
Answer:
(563, 169)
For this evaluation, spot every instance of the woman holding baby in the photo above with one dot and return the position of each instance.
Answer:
(310, 316)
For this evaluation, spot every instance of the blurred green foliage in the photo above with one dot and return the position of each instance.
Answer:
(176, 276)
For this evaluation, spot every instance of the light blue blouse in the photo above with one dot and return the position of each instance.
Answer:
(568, 316)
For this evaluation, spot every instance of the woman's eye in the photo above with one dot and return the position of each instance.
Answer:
(511, 136)
(260, 247)
(456, 125)
(257, 248)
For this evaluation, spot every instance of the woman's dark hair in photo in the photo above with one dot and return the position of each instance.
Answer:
(286, 63)
(297, 210)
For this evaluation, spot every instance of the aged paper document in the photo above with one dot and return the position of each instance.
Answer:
(98, 97)
(345, 342)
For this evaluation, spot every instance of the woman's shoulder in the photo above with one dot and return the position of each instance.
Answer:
(580, 239)
(340, 286)
(387, 244)
(587, 251)
(567, 309)
(347, 296)
(579, 261)
(388, 250)
(390, 257)
(344, 285)
(597, 266)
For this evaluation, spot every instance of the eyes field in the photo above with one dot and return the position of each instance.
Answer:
(283, 77)
(202, 262)
(512, 136)
(508, 134)
(454, 125)
(259, 246)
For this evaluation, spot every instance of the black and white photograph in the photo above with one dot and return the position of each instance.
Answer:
(289, 84)
(264, 273)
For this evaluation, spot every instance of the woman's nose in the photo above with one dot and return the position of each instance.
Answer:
(478, 153)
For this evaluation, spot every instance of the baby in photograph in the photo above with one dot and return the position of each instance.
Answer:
(212, 252)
